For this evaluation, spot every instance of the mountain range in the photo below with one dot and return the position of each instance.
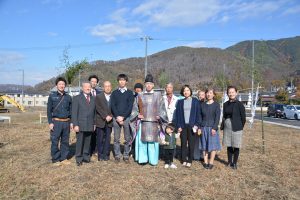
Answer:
(204, 67)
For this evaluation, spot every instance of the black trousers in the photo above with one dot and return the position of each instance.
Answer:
(93, 148)
(187, 144)
(83, 143)
(169, 156)
(103, 142)
(60, 136)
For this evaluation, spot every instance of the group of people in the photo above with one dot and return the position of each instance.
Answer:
(149, 121)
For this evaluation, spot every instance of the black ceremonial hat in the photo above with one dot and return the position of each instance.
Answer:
(149, 78)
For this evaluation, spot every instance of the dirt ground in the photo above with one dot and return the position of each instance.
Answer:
(27, 172)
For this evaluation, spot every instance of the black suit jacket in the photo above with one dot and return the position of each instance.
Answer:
(102, 111)
(83, 113)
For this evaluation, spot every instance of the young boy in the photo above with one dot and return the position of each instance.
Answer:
(169, 146)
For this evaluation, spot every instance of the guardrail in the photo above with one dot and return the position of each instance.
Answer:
(41, 117)
(2, 118)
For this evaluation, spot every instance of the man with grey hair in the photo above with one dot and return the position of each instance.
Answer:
(170, 101)
(83, 118)
(104, 121)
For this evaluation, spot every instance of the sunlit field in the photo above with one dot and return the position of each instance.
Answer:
(27, 172)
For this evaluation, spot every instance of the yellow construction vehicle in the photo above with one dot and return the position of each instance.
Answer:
(11, 101)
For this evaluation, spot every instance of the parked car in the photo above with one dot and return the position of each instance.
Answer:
(292, 112)
(275, 110)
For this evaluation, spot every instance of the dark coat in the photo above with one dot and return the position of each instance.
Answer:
(83, 113)
(171, 139)
(97, 91)
(103, 109)
(210, 115)
(194, 116)
(121, 104)
(238, 119)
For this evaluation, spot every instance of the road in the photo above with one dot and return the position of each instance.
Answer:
(291, 122)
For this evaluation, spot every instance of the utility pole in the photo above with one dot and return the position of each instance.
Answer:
(91, 58)
(252, 75)
(262, 125)
(79, 78)
(22, 98)
(224, 84)
(146, 38)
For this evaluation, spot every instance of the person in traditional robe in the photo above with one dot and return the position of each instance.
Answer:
(134, 120)
(152, 114)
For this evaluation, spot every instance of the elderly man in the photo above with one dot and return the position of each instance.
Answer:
(170, 101)
(104, 121)
(83, 118)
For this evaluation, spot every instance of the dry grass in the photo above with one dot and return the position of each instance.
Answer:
(27, 173)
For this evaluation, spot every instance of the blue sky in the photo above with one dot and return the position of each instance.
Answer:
(34, 33)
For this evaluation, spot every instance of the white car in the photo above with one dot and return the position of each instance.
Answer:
(292, 112)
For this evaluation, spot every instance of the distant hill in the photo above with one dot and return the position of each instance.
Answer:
(201, 67)
(13, 88)
(277, 58)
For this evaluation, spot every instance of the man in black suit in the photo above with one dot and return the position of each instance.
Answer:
(103, 121)
(83, 118)
(94, 80)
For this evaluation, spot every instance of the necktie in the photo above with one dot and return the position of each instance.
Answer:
(88, 99)
(94, 93)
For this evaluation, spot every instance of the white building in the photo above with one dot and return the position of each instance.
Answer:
(38, 100)
(34, 100)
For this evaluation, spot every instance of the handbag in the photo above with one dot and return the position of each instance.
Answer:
(222, 124)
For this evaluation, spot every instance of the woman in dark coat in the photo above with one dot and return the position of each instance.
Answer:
(234, 119)
(210, 117)
(187, 123)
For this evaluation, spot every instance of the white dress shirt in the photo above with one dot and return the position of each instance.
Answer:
(124, 89)
(107, 97)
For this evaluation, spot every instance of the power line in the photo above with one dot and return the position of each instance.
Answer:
(71, 46)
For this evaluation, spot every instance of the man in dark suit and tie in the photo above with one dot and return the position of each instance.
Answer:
(83, 118)
(103, 121)
(94, 80)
